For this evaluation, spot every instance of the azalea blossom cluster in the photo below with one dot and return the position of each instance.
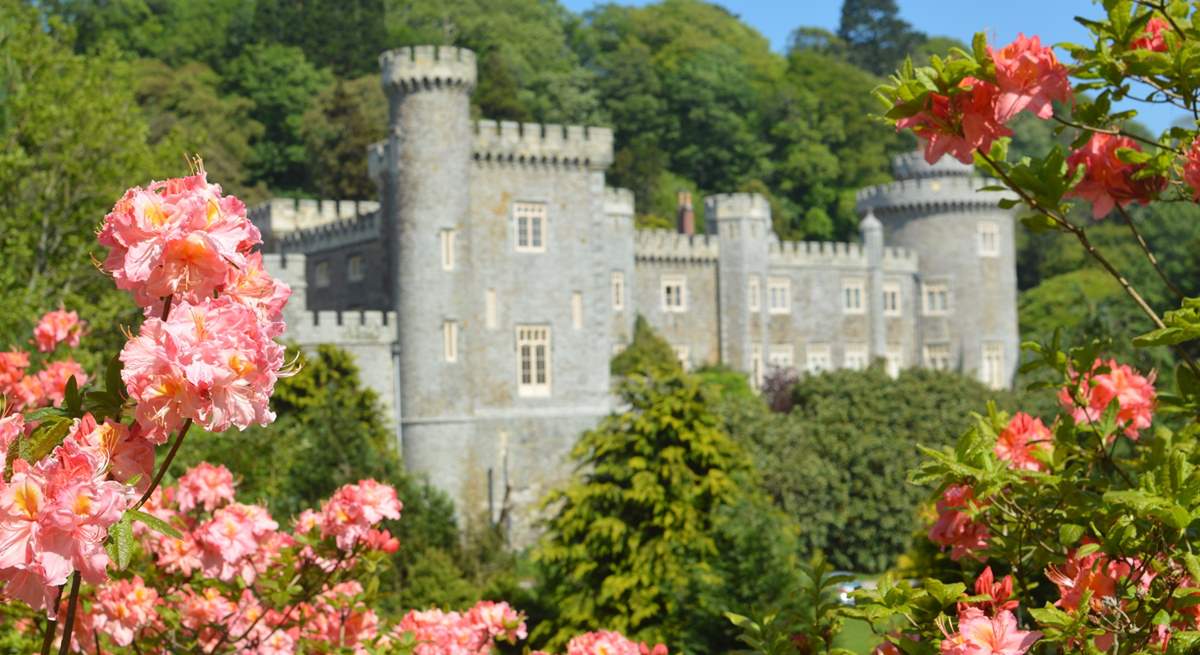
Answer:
(988, 627)
(206, 352)
(473, 632)
(1108, 382)
(55, 513)
(21, 389)
(1098, 577)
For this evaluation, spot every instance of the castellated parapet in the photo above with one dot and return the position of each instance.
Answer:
(280, 217)
(348, 231)
(668, 246)
(618, 202)
(928, 193)
(544, 144)
(737, 206)
(426, 66)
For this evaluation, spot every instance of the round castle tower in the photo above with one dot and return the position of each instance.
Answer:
(425, 171)
(967, 310)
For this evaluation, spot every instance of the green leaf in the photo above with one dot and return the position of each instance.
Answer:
(1069, 533)
(1193, 565)
(120, 536)
(155, 523)
(44, 438)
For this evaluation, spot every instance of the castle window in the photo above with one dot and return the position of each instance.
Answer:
(818, 358)
(753, 294)
(937, 356)
(450, 340)
(683, 354)
(937, 298)
(989, 239)
(321, 274)
(674, 293)
(489, 309)
(852, 296)
(893, 360)
(891, 299)
(355, 272)
(756, 365)
(991, 372)
(533, 360)
(779, 295)
(577, 310)
(618, 290)
(531, 226)
(781, 356)
(448, 238)
(855, 356)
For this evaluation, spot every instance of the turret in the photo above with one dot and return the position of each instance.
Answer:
(967, 283)
(743, 223)
(872, 238)
(425, 169)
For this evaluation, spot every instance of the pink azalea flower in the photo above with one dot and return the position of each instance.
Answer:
(180, 237)
(57, 327)
(234, 534)
(254, 288)
(53, 379)
(206, 485)
(11, 427)
(354, 509)
(953, 527)
(1133, 392)
(604, 642)
(959, 124)
(500, 620)
(12, 369)
(999, 594)
(1029, 77)
(1152, 36)
(1018, 442)
(1191, 169)
(124, 608)
(1108, 181)
(982, 635)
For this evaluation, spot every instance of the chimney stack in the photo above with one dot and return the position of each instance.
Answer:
(685, 217)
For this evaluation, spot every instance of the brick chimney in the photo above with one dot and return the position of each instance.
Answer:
(685, 217)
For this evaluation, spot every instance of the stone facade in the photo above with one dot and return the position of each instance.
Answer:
(486, 292)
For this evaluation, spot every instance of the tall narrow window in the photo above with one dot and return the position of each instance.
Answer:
(450, 340)
(853, 291)
(779, 295)
(992, 372)
(891, 299)
(674, 293)
(817, 358)
(618, 290)
(753, 294)
(855, 356)
(894, 359)
(756, 365)
(489, 309)
(530, 225)
(989, 239)
(577, 310)
(937, 298)
(937, 356)
(354, 268)
(533, 360)
(321, 273)
(448, 238)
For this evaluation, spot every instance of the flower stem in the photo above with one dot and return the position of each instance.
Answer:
(166, 307)
(65, 647)
(162, 470)
(1137, 234)
(51, 625)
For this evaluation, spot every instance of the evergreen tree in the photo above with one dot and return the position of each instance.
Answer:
(337, 130)
(877, 39)
(647, 354)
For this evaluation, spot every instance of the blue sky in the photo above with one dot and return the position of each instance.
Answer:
(1050, 19)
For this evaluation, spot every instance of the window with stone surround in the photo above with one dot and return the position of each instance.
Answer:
(989, 239)
(817, 358)
(618, 290)
(450, 341)
(754, 294)
(674, 293)
(448, 237)
(937, 356)
(991, 370)
(891, 299)
(894, 359)
(855, 357)
(530, 218)
(779, 295)
(853, 292)
(355, 271)
(533, 360)
(781, 355)
(321, 274)
(936, 298)
(756, 365)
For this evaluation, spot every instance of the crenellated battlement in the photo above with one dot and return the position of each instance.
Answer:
(900, 260)
(816, 253)
(618, 202)
(428, 67)
(667, 245)
(928, 194)
(912, 165)
(734, 206)
(279, 217)
(546, 144)
(346, 231)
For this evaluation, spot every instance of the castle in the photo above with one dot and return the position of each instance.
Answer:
(485, 294)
